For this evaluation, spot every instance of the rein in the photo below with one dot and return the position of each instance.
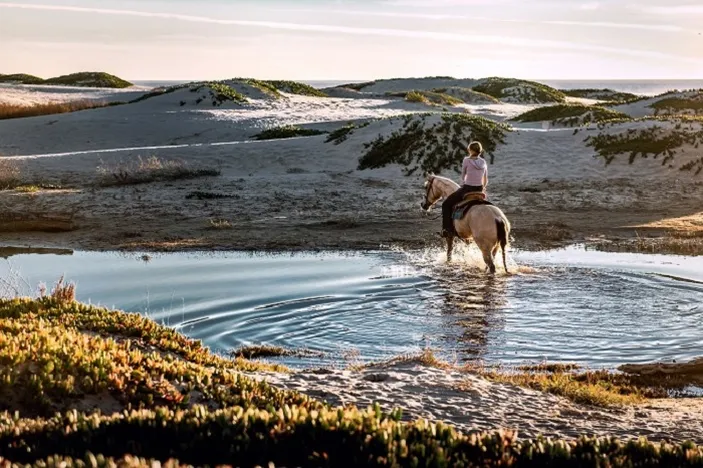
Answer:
(427, 196)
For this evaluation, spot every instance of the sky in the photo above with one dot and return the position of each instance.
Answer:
(354, 40)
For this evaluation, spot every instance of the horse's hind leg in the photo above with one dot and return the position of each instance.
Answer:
(450, 247)
(488, 257)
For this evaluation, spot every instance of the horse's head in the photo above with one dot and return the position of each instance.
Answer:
(432, 193)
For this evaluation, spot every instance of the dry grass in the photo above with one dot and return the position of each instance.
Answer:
(151, 169)
(674, 242)
(14, 111)
(63, 293)
(598, 388)
(219, 224)
(9, 174)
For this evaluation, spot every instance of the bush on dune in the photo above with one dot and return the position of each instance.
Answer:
(9, 174)
(605, 94)
(115, 386)
(21, 78)
(90, 79)
(679, 105)
(432, 147)
(658, 140)
(288, 131)
(570, 114)
(519, 90)
(428, 97)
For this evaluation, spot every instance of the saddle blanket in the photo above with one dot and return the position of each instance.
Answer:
(469, 201)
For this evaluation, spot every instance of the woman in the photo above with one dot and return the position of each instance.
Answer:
(474, 177)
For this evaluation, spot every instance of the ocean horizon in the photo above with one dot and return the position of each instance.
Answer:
(641, 87)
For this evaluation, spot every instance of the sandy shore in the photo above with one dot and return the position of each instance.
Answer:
(472, 403)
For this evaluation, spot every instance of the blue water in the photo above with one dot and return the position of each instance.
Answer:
(597, 309)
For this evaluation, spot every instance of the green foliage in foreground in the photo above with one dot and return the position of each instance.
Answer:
(288, 131)
(293, 436)
(73, 357)
(519, 90)
(570, 114)
(600, 94)
(432, 147)
(21, 78)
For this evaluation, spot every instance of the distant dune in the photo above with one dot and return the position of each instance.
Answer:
(82, 79)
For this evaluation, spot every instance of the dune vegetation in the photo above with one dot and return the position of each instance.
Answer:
(679, 105)
(467, 95)
(665, 140)
(287, 131)
(570, 115)
(21, 78)
(519, 91)
(147, 170)
(83, 79)
(88, 386)
(431, 143)
(430, 98)
(604, 94)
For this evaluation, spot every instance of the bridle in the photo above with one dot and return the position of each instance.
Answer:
(427, 196)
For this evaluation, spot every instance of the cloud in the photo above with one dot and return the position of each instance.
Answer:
(672, 9)
(590, 6)
(382, 32)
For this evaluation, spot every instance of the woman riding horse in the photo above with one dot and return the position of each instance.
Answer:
(474, 176)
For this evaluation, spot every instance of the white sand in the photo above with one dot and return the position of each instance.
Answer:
(40, 94)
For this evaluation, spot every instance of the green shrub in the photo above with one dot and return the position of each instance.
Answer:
(432, 148)
(675, 105)
(653, 141)
(21, 78)
(341, 134)
(466, 95)
(294, 87)
(600, 94)
(91, 79)
(526, 92)
(288, 131)
(428, 97)
(570, 114)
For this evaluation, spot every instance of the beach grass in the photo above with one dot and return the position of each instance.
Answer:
(16, 111)
(21, 78)
(428, 97)
(84, 79)
(151, 169)
(676, 105)
(10, 174)
(341, 134)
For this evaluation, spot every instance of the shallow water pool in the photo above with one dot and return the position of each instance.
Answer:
(594, 308)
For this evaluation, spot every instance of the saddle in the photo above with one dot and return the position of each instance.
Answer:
(469, 201)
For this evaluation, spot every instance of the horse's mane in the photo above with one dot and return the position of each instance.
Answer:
(445, 179)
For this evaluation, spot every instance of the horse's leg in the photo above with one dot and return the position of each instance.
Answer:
(450, 246)
(487, 251)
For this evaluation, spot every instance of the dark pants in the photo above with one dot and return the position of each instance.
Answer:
(451, 201)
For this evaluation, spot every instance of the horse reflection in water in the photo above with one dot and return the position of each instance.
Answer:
(472, 304)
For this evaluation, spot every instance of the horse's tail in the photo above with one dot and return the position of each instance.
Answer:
(503, 239)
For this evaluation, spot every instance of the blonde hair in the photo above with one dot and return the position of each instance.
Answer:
(476, 147)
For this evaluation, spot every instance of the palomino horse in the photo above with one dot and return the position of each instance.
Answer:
(487, 224)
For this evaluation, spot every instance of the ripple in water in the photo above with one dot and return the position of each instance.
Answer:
(595, 309)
